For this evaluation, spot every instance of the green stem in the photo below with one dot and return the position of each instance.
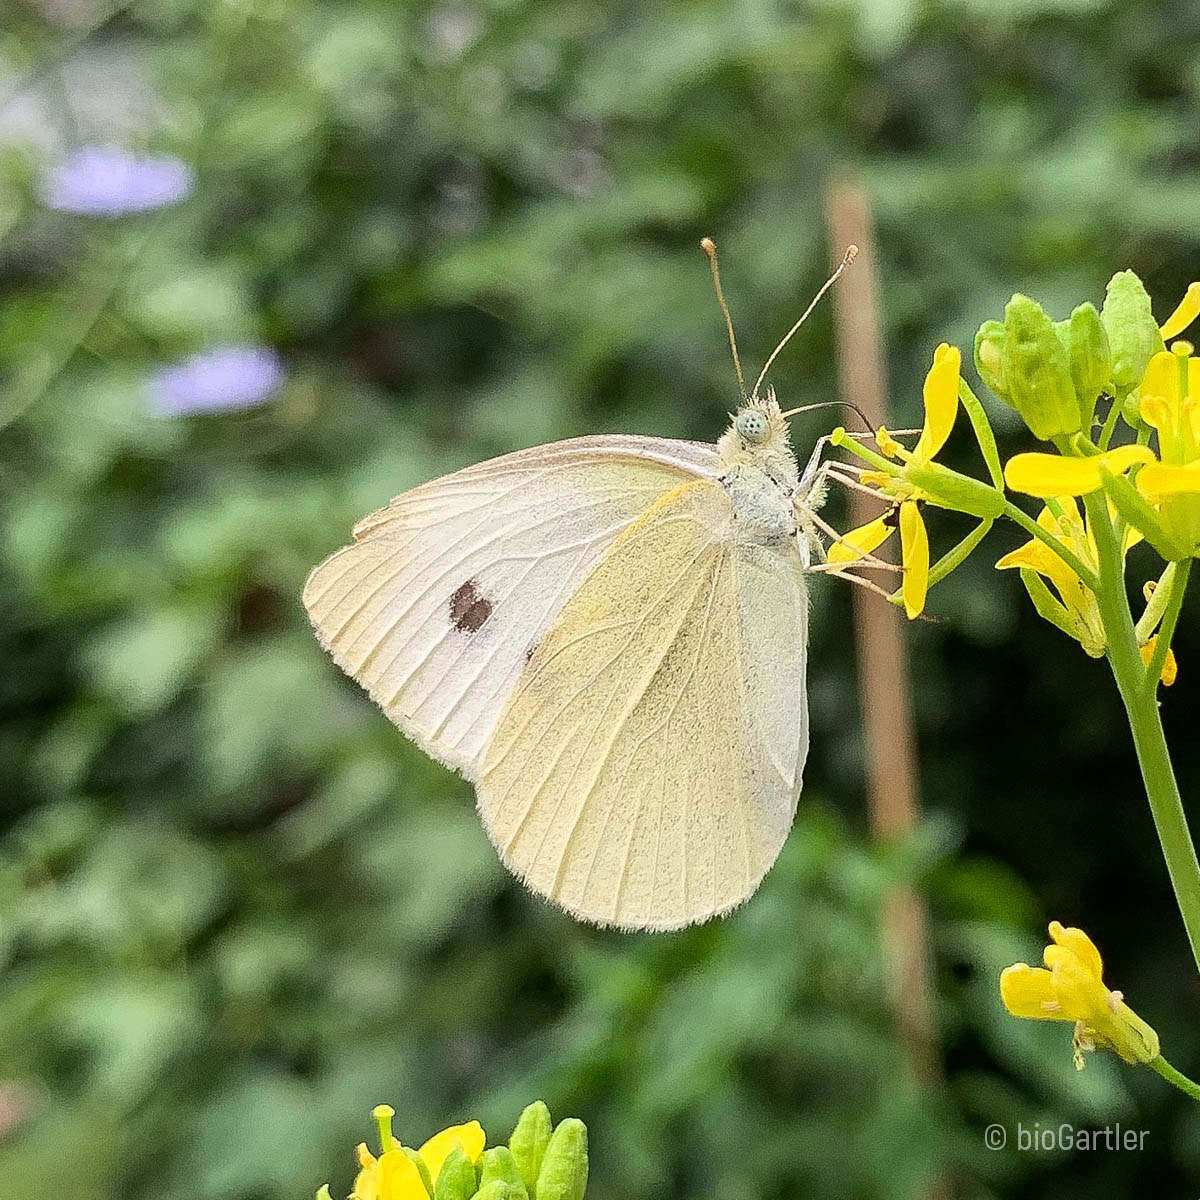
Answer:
(1110, 424)
(1176, 1078)
(1141, 707)
(955, 557)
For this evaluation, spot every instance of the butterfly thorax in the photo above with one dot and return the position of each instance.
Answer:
(760, 473)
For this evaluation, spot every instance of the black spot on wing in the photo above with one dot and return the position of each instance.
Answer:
(469, 609)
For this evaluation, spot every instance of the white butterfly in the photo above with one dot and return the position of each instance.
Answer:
(607, 636)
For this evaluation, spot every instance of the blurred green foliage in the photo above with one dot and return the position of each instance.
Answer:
(236, 908)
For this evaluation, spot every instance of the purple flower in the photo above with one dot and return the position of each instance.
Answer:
(218, 380)
(105, 181)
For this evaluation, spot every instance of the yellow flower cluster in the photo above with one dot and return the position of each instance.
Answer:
(541, 1162)
(401, 1174)
(1155, 493)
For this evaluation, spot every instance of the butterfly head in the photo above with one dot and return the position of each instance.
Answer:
(757, 435)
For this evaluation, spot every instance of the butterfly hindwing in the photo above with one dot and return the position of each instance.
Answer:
(443, 595)
(645, 770)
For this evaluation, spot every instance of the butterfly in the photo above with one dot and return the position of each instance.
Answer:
(607, 636)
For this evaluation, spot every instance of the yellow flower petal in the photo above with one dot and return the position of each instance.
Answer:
(1028, 992)
(1156, 480)
(941, 402)
(470, 1138)
(853, 545)
(1159, 391)
(1082, 996)
(1050, 475)
(1170, 670)
(1037, 556)
(1186, 312)
(914, 544)
(1033, 554)
(1077, 943)
(366, 1183)
(399, 1178)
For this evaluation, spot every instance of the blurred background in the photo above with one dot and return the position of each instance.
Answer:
(266, 263)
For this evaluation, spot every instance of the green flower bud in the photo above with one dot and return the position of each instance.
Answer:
(1090, 357)
(528, 1143)
(565, 1168)
(989, 356)
(1036, 371)
(1133, 335)
(456, 1180)
(499, 1163)
(323, 1194)
(497, 1189)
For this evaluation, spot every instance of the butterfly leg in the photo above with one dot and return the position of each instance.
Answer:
(862, 560)
(809, 530)
(839, 569)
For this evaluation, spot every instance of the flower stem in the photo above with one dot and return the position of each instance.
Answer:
(1177, 1078)
(1145, 723)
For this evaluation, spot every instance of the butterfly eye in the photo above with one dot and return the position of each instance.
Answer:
(751, 425)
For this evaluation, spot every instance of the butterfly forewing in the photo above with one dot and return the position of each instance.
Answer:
(645, 771)
(445, 593)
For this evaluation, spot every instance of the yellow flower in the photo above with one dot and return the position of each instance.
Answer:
(398, 1173)
(1071, 988)
(1076, 611)
(940, 396)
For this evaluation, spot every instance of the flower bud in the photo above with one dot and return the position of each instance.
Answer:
(497, 1189)
(456, 1180)
(989, 356)
(1090, 358)
(528, 1143)
(1133, 335)
(565, 1167)
(1036, 371)
(498, 1163)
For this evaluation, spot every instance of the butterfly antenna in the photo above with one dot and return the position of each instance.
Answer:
(710, 248)
(791, 412)
(847, 259)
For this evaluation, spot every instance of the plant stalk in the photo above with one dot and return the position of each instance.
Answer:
(1145, 723)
